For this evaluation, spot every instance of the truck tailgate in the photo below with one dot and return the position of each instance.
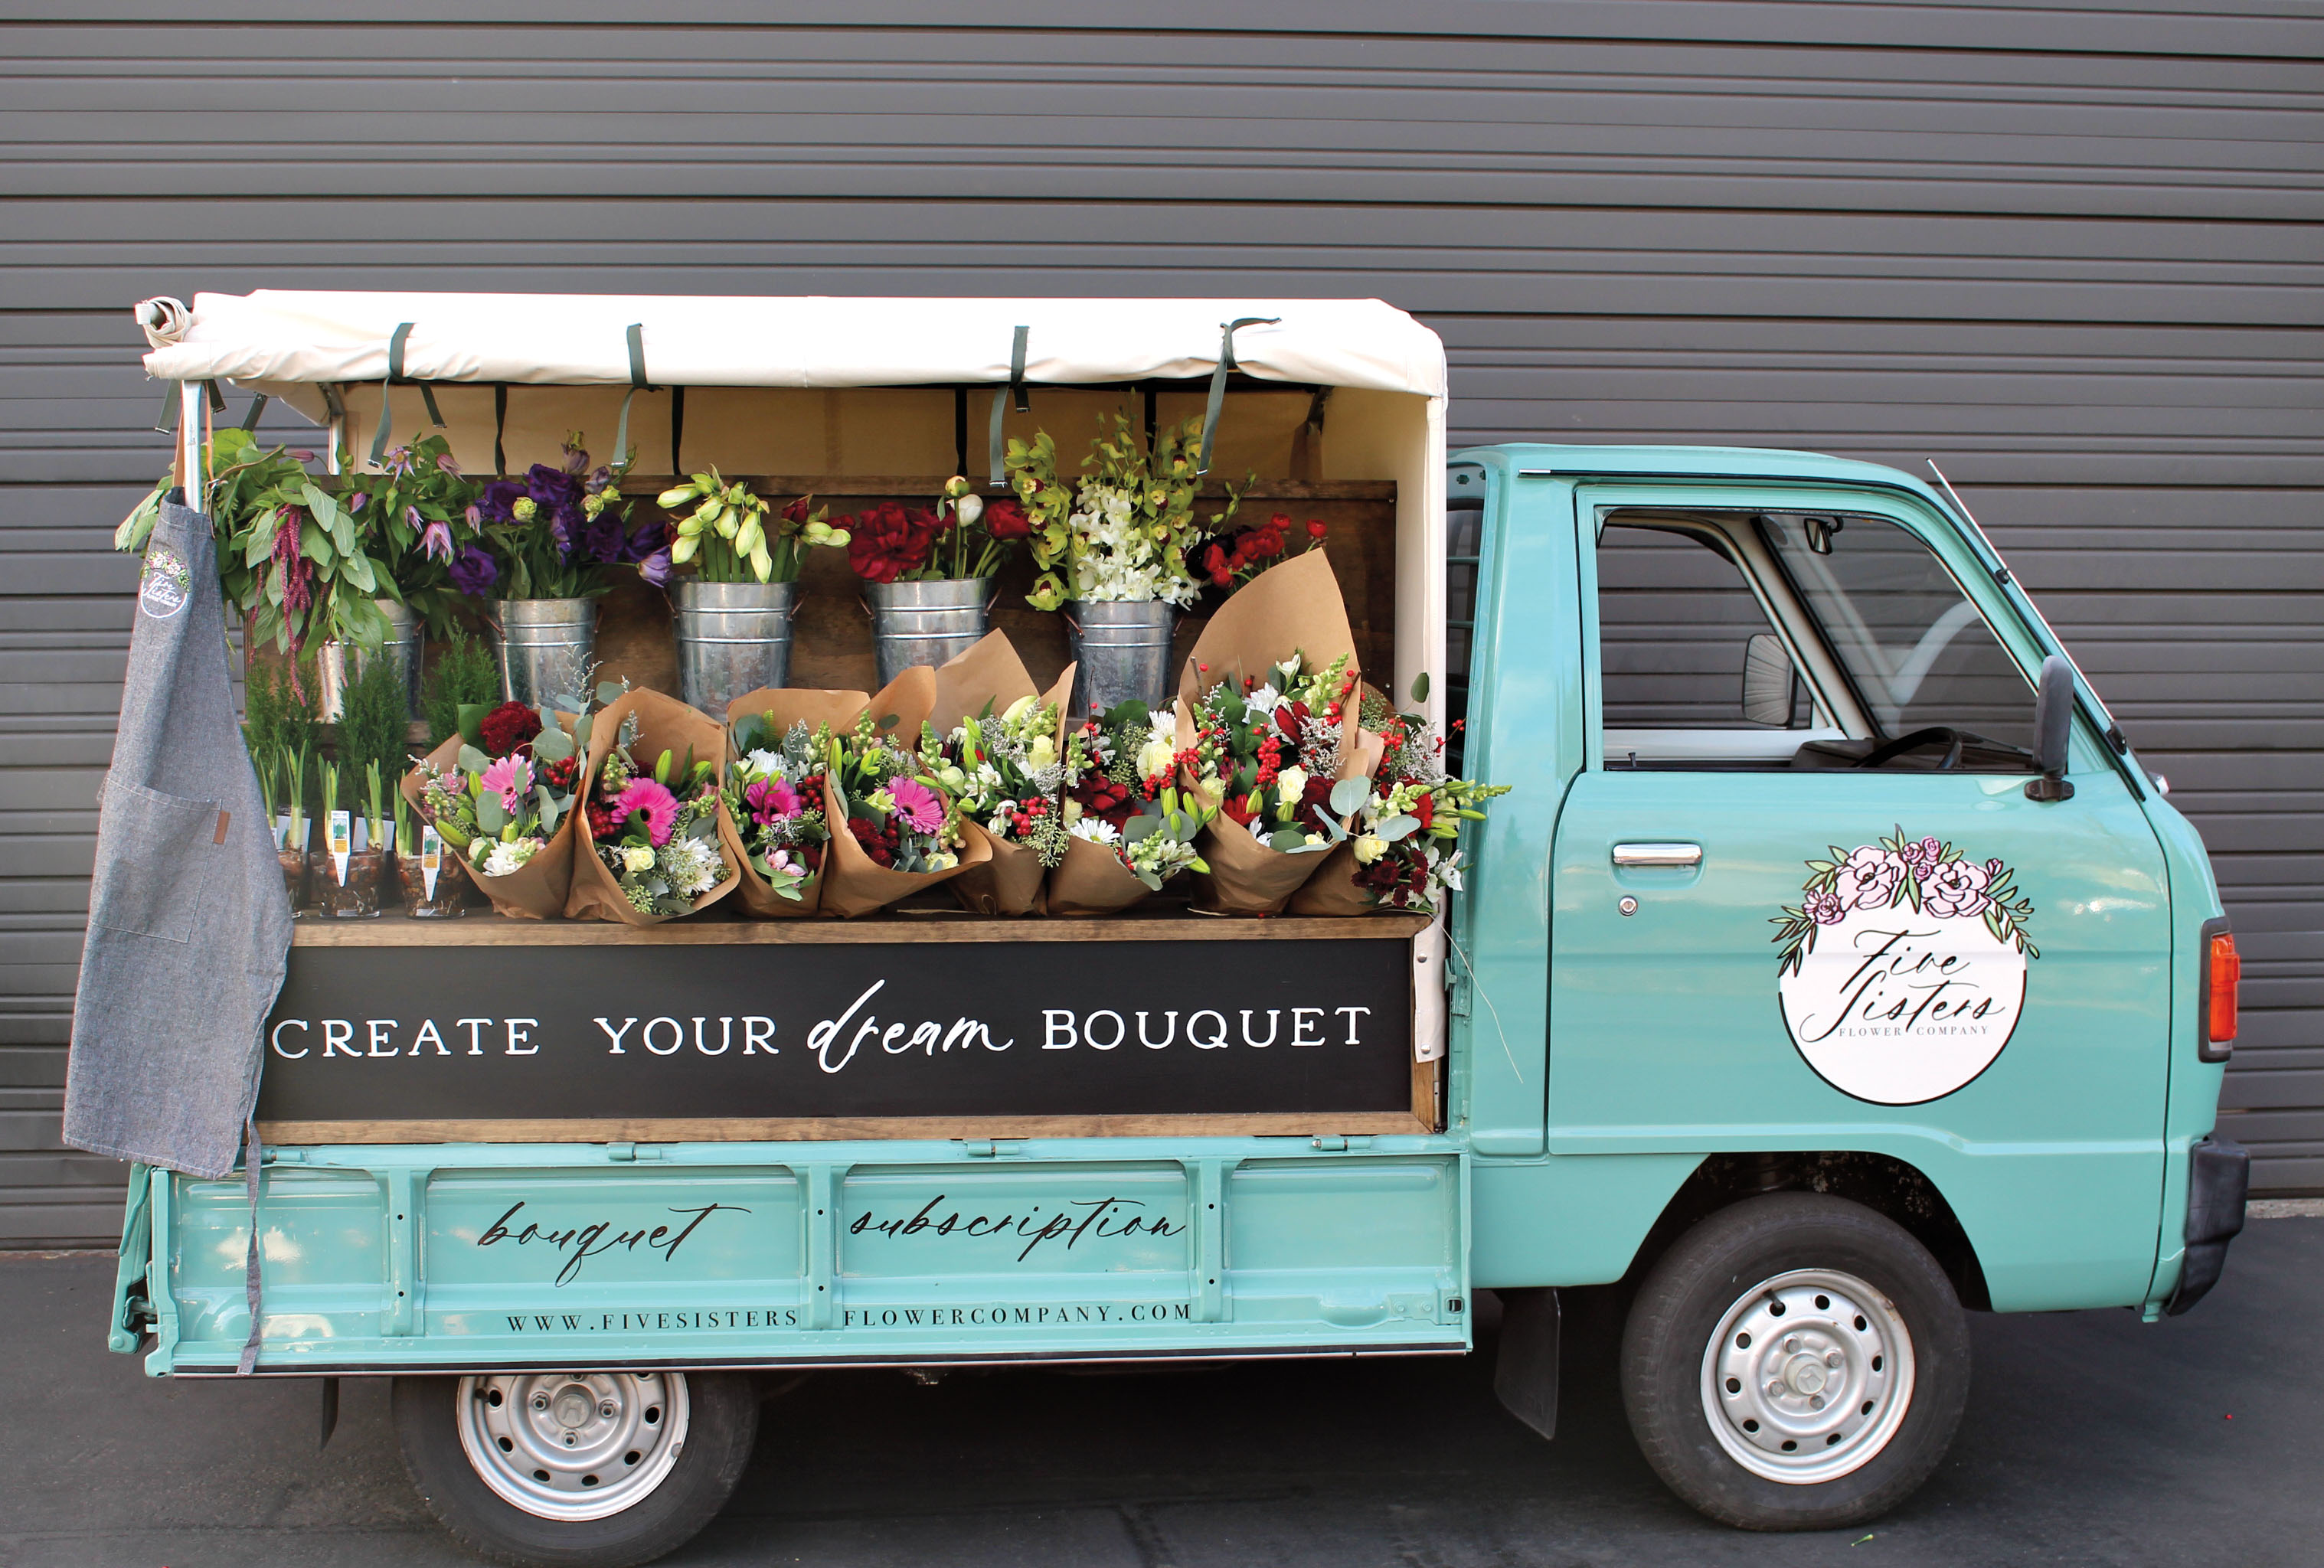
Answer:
(407, 1258)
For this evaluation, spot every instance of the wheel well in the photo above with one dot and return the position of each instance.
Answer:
(1881, 1183)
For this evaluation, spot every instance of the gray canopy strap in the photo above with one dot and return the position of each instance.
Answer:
(166, 422)
(257, 407)
(637, 385)
(253, 1156)
(394, 374)
(1016, 395)
(676, 427)
(500, 428)
(1218, 383)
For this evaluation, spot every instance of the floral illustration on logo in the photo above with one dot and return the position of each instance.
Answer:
(1903, 968)
(167, 584)
(1925, 875)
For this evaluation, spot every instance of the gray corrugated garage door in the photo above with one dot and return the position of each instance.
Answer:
(2070, 250)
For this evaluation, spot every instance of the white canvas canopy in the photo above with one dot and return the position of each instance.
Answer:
(836, 387)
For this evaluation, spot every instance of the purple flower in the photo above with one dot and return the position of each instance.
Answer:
(655, 568)
(1825, 909)
(361, 499)
(1956, 888)
(436, 541)
(474, 571)
(444, 463)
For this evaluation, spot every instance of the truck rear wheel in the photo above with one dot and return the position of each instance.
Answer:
(575, 1469)
(1795, 1362)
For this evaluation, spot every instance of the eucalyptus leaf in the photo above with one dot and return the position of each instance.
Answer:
(1287, 839)
(1348, 795)
(473, 761)
(581, 727)
(1420, 686)
(1139, 828)
(552, 744)
(491, 815)
(1153, 882)
(608, 692)
(1396, 828)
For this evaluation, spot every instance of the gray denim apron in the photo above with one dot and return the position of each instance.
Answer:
(189, 925)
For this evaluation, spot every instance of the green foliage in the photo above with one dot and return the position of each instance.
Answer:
(290, 555)
(466, 675)
(418, 487)
(374, 725)
(279, 716)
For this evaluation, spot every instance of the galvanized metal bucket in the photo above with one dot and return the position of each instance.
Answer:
(1121, 650)
(339, 665)
(546, 648)
(732, 638)
(927, 622)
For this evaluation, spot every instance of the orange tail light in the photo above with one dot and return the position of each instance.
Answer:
(2227, 973)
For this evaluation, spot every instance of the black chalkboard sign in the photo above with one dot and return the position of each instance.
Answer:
(854, 1029)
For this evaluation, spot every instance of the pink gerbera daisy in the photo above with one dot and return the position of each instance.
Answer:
(772, 800)
(660, 806)
(916, 804)
(509, 777)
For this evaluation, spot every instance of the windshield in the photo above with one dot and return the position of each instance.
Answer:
(1916, 650)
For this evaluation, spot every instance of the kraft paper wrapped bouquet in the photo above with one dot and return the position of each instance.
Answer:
(1400, 850)
(1268, 708)
(894, 828)
(996, 744)
(1128, 828)
(500, 793)
(652, 830)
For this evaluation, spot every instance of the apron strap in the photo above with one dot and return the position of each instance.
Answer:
(253, 1156)
(1219, 384)
(1016, 394)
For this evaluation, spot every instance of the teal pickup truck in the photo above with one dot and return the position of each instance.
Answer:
(1834, 969)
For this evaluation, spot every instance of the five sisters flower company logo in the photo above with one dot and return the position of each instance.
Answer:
(167, 582)
(1902, 971)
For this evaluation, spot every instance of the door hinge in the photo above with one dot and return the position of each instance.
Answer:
(991, 1147)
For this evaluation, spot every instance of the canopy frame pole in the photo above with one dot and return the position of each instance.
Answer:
(337, 406)
(190, 410)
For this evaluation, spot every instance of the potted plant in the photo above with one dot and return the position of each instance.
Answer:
(928, 572)
(733, 611)
(1113, 548)
(548, 539)
(415, 515)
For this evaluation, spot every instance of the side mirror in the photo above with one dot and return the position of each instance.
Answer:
(1766, 682)
(2053, 720)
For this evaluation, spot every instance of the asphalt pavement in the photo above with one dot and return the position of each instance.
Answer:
(2090, 1438)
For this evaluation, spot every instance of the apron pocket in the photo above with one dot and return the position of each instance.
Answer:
(156, 853)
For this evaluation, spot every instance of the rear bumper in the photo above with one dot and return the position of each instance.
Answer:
(2218, 1179)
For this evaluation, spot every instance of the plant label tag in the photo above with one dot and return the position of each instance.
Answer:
(342, 842)
(282, 831)
(432, 860)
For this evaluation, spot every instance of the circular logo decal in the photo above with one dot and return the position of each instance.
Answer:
(167, 584)
(1903, 972)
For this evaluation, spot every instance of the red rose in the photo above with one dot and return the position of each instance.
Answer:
(884, 544)
(1316, 529)
(1006, 519)
(508, 727)
(1424, 811)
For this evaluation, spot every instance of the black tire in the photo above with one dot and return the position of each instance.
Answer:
(722, 1423)
(1668, 1375)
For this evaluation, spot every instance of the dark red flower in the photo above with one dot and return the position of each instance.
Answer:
(888, 541)
(874, 842)
(796, 511)
(1005, 519)
(1316, 529)
(508, 728)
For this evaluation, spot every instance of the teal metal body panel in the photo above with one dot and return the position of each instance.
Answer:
(1594, 1062)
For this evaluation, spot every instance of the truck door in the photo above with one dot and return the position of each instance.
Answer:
(1802, 902)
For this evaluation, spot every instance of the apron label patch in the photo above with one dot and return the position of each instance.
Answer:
(167, 582)
(1903, 968)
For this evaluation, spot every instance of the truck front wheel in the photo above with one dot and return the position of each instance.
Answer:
(1795, 1362)
(575, 1469)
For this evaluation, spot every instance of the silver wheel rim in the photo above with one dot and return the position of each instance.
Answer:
(1808, 1377)
(572, 1446)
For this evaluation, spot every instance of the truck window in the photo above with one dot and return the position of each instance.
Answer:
(1916, 651)
(1685, 646)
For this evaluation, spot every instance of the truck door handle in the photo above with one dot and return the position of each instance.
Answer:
(1658, 854)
